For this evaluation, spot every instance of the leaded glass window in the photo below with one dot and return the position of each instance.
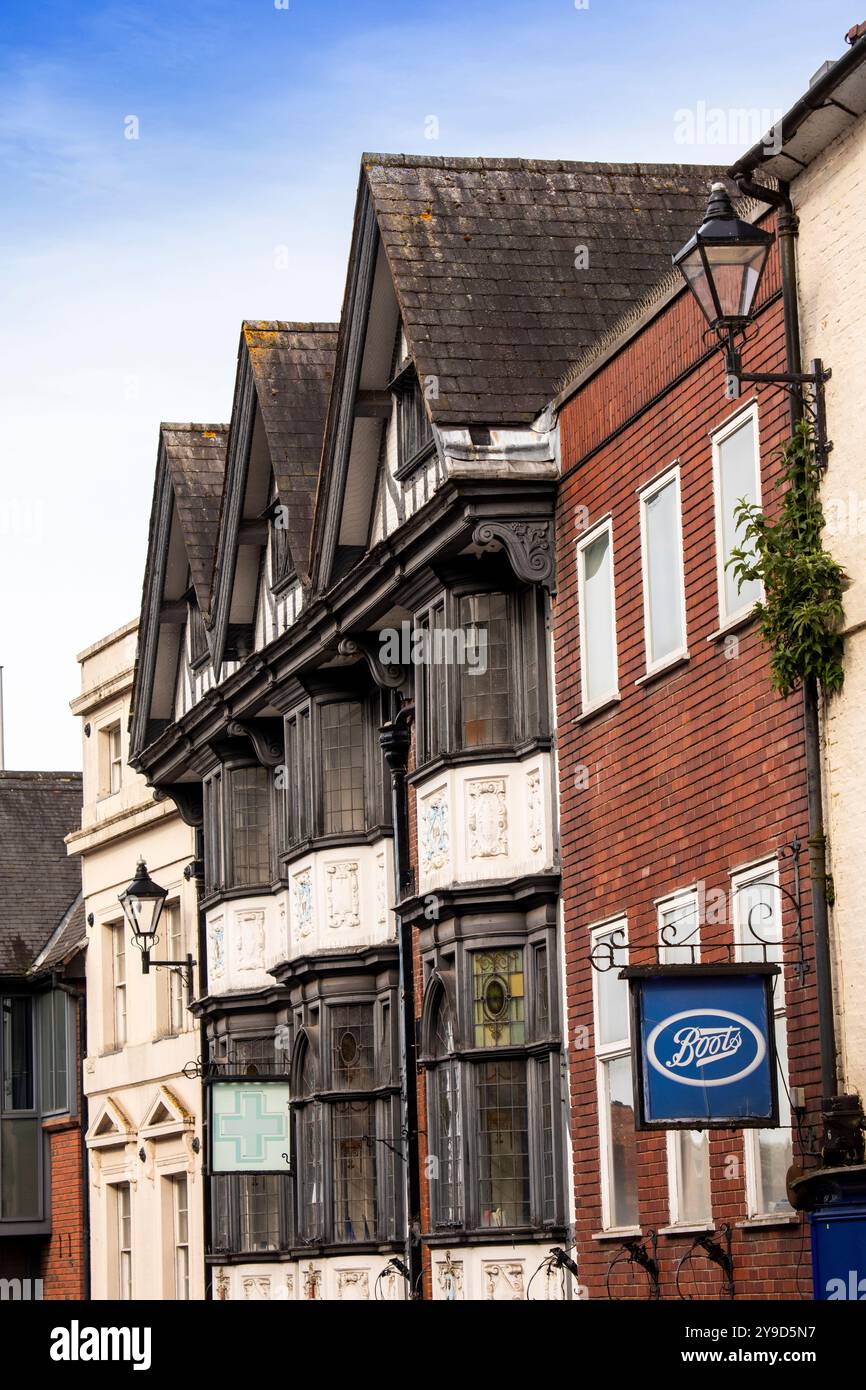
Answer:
(354, 1170)
(498, 998)
(352, 1050)
(445, 1179)
(503, 1129)
(342, 747)
(250, 826)
(486, 696)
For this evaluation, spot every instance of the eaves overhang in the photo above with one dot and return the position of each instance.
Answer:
(463, 512)
(832, 104)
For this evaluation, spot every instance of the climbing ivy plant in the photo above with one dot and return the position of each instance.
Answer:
(801, 615)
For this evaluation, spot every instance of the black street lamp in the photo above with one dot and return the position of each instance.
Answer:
(722, 265)
(142, 904)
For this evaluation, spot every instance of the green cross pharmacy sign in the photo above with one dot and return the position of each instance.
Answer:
(249, 1127)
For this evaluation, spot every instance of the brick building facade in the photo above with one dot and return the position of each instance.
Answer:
(682, 788)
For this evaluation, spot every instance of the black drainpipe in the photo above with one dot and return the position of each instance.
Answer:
(198, 874)
(787, 229)
(395, 739)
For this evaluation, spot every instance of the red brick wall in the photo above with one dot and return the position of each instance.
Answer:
(63, 1259)
(689, 777)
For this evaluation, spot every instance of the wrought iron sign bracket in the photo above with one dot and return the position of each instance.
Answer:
(633, 1251)
(183, 968)
(806, 389)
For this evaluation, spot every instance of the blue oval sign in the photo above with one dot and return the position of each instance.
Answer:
(705, 1047)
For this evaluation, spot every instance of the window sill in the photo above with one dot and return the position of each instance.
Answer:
(658, 672)
(732, 625)
(494, 753)
(620, 1233)
(687, 1228)
(760, 1223)
(592, 710)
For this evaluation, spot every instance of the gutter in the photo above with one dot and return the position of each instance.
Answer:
(817, 97)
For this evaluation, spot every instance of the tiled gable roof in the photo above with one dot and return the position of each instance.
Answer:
(293, 366)
(39, 883)
(483, 251)
(196, 458)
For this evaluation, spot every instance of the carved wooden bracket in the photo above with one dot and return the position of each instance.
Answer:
(528, 544)
(265, 738)
(187, 797)
(386, 677)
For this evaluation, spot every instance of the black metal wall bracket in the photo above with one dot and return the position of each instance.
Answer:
(807, 388)
(719, 1251)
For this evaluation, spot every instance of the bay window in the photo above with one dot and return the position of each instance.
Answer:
(20, 1130)
(493, 1090)
(54, 1024)
(238, 818)
(332, 784)
(346, 1124)
(480, 674)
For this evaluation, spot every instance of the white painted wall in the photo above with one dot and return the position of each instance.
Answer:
(829, 199)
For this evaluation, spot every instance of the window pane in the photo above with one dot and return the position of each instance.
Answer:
(498, 997)
(613, 998)
(124, 1239)
(622, 1142)
(352, 1049)
(548, 1181)
(250, 826)
(310, 1171)
(774, 1148)
(342, 731)
(663, 572)
(679, 933)
(213, 864)
(259, 1211)
(486, 694)
(532, 722)
(599, 677)
(503, 1143)
(19, 1170)
(297, 790)
(759, 922)
(692, 1172)
(445, 1186)
(118, 944)
(181, 1237)
(354, 1171)
(542, 992)
(52, 1019)
(737, 481)
(433, 680)
(17, 1053)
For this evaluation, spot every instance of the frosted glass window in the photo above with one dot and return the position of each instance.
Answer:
(663, 572)
(736, 480)
(598, 635)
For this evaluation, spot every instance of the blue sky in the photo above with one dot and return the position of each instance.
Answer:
(127, 265)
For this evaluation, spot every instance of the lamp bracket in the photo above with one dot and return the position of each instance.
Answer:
(183, 968)
(805, 388)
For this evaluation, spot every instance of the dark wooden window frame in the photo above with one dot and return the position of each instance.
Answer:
(521, 601)
(453, 974)
(311, 811)
(415, 439)
(220, 874)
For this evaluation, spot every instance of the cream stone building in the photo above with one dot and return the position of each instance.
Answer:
(143, 1136)
(821, 160)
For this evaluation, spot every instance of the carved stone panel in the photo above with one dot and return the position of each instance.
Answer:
(342, 895)
(353, 1285)
(535, 816)
(217, 954)
(435, 836)
(302, 903)
(503, 1281)
(487, 818)
(250, 928)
